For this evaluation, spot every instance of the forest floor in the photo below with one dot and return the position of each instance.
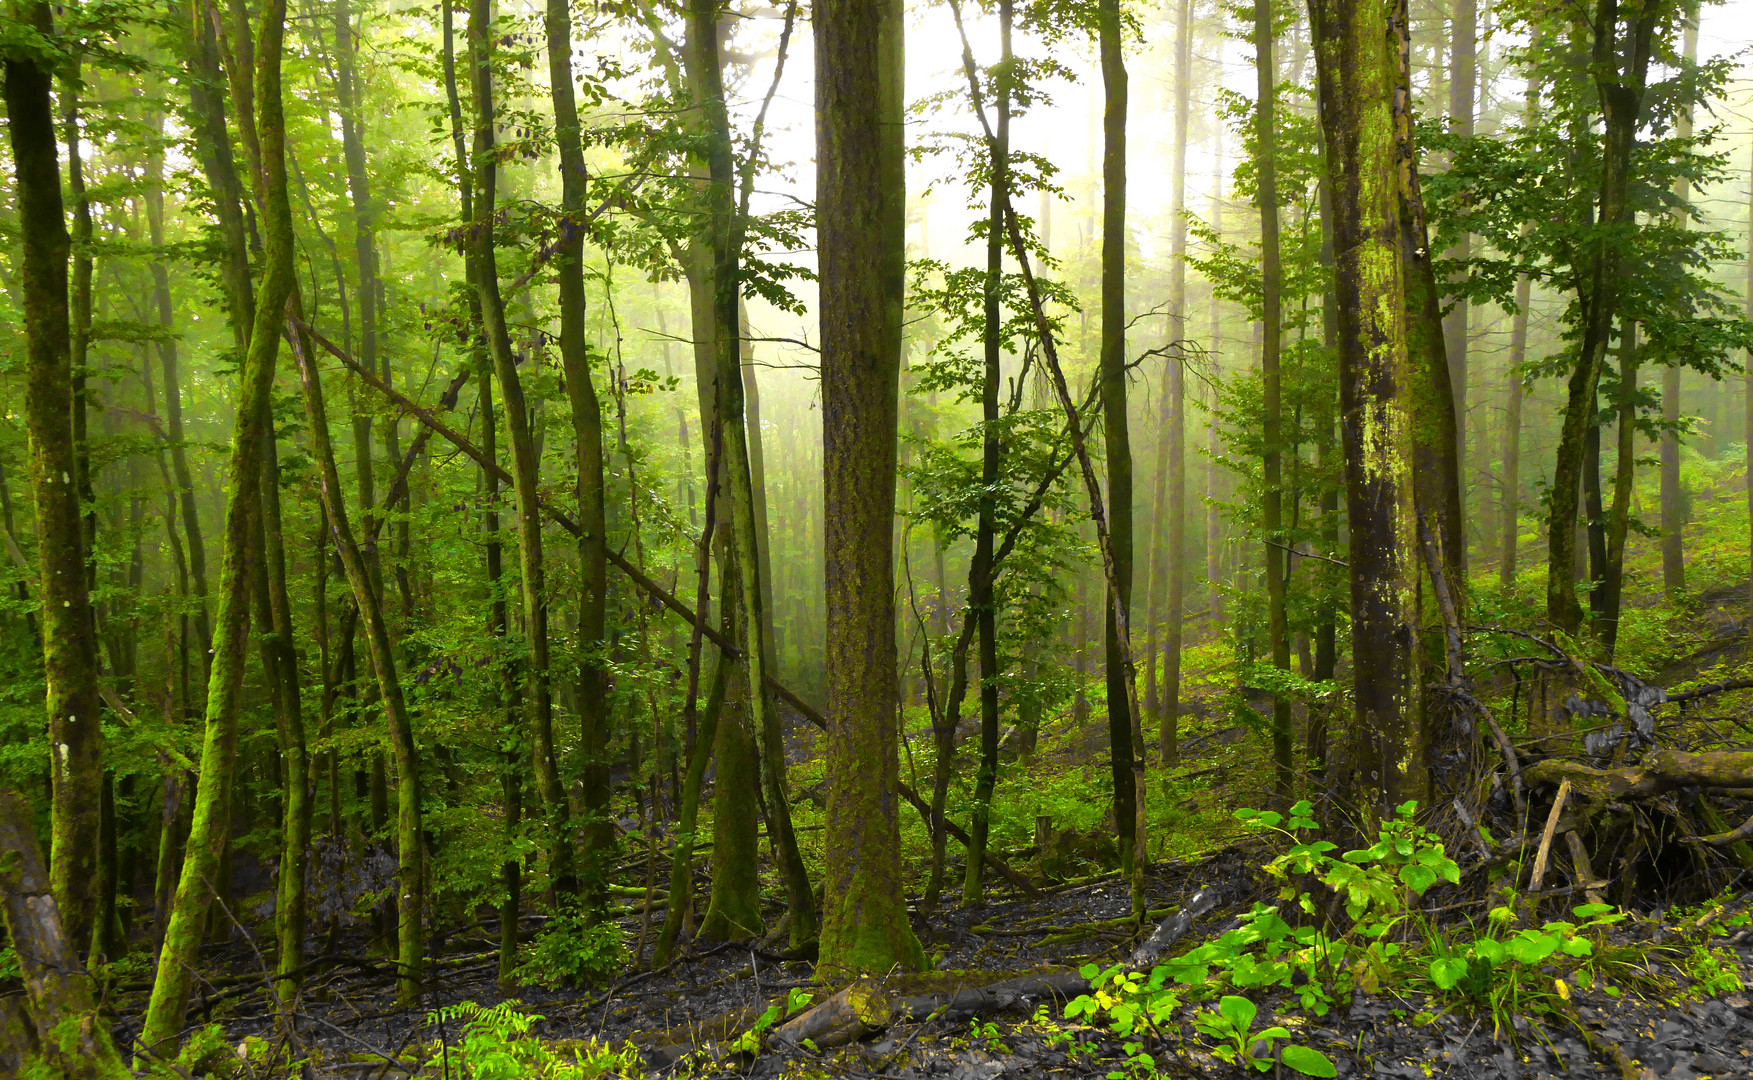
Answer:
(684, 1018)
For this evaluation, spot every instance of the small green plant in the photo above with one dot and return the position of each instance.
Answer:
(1714, 972)
(571, 951)
(989, 1034)
(497, 1046)
(749, 1042)
(1232, 1026)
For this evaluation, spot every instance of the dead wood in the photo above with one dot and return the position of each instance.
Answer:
(1662, 770)
(856, 1011)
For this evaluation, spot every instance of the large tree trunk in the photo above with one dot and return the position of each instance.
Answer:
(1358, 77)
(1271, 337)
(981, 572)
(860, 206)
(587, 433)
(208, 833)
(66, 1026)
(1125, 725)
(537, 687)
(69, 639)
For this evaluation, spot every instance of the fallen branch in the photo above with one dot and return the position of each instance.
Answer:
(1662, 770)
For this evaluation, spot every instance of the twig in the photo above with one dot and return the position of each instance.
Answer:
(1538, 874)
(1308, 554)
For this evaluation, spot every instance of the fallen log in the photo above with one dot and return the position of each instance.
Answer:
(1173, 928)
(860, 1009)
(1661, 770)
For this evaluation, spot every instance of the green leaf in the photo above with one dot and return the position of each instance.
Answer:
(1238, 1011)
(1418, 878)
(1309, 1061)
(1447, 971)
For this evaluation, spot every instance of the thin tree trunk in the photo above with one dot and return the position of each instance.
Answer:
(1357, 74)
(1512, 435)
(1171, 524)
(1619, 515)
(1673, 512)
(1619, 69)
(525, 467)
(1213, 474)
(69, 641)
(727, 238)
(1272, 329)
(861, 210)
(1463, 82)
(410, 869)
(587, 435)
(208, 833)
(980, 571)
(1125, 726)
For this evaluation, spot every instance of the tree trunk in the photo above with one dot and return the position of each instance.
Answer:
(727, 241)
(860, 205)
(1512, 435)
(68, 1030)
(410, 869)
(1463, 81)
(167, 1008)
(290, 909)
(538, 696)
(69, 641)
(1673, 513)
(1619, 516)
(1619, 69)
(981, 572)
(1272, 329)
(1171, 524)
(1213, 474)
(1357, 69)
(587, 433)
(1125, 725)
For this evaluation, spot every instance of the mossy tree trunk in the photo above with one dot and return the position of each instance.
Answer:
(727, 228)
(68, 633)
(68, 1032)
(1357, 75)
(184, 931)
(860, 204)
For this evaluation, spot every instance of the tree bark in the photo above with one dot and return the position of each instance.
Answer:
(860, 204)
(69, 1031)
(70, 666)
(1619, 515)
(208, 833)
(1358, 76)
(1673, 512)
(1463, 82)
(1271, 337)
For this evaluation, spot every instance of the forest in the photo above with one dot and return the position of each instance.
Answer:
(962, 538)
